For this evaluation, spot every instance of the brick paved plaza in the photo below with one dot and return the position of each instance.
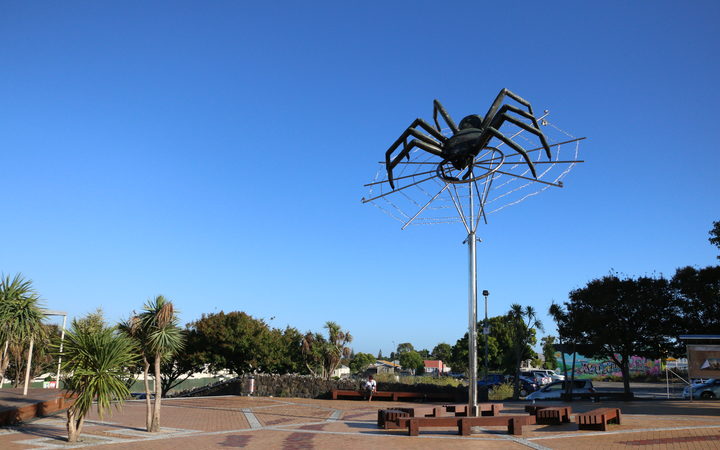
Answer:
(292, 423)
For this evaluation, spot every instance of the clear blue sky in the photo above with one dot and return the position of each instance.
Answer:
(215, 152)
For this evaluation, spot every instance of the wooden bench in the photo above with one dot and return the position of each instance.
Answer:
(598, 418)
(486, 409)
(533, 409)
(336, 393)
(553, 415)
(392, 395)
(514, 424)
(387, 418)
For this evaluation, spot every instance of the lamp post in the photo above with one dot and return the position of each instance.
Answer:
(486, 331)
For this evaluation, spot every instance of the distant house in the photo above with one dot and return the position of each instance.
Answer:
(436, 367)
(341, 372)
(382, 366)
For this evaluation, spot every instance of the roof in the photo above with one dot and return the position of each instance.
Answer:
(436, 363)
(387, 363)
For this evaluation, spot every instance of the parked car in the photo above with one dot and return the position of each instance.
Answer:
(553, 375)
(553, 390)
(527, 385)
(707, 390)
(492, 379)
(540, 378)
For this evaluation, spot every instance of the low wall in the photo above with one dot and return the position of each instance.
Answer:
(306, 386)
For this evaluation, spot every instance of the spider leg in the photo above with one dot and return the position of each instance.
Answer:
(421, 141)
(515, 147)
(490, 116)
(502, 116)
(439, 108)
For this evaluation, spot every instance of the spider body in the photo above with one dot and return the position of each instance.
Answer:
(468, 138)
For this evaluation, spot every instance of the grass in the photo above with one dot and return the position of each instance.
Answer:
(439, 381)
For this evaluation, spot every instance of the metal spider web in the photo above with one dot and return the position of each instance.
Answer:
(500, 178)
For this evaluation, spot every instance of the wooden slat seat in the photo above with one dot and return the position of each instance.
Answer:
(598, 419)
(386, 417)
(553, 415)
(486, 409)
(514, 423)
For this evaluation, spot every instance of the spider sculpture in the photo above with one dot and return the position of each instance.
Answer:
(468, 138)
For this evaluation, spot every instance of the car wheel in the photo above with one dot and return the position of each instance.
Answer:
(707, 395)
(523, 393)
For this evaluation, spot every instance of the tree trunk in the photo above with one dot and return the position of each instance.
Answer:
(624, 366)
(155, 425)
(569, 386)
(74, 425)
(148, 406)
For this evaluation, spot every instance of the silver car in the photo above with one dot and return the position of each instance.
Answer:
(705, 390)
(553, 390)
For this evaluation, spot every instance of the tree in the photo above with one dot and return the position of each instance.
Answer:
(404, 347)
(616, 318)
(411, 360)
(21, 320)
(95, 360)
(524, 322)
(500, 357)
(361, 361)
(180, 366)
(697, 292)
(548, 347)
(132, 328)
(323, 355)
(233, 341)
(380, 355)
(442, 352)
(715, 235)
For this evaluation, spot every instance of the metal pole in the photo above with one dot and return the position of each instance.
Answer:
(29, 363)
(472, 326)
(486, 333)
(62, 341)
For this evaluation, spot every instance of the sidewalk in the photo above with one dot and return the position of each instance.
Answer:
(292, 423)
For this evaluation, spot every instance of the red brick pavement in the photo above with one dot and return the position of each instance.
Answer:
(279, 423)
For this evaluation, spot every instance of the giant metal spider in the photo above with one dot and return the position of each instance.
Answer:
(468, 139)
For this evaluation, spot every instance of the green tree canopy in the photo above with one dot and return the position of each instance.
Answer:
(615, 318)
(548, 348)
(21, 320)
(95, 359)
(442, 352)
(698, 294)
(361, 361)
(715, 235)
(500, 344)
(323, 355)
(411, 360)
(404, 347)
(233, 341)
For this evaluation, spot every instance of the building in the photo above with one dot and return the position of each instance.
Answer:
(436, 367)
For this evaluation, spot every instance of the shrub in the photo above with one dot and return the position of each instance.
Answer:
(501, 392)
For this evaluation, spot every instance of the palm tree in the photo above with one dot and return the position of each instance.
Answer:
(96, 360)
(132, 328)
(523, 322)
(336, 349)
(163, 338)
(21, 319)
(323, 355)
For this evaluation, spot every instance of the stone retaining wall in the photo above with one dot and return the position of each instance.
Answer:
(306, 386)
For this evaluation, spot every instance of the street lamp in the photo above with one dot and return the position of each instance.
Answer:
(486, 331)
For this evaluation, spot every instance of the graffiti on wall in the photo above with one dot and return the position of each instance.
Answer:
(588, 368)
